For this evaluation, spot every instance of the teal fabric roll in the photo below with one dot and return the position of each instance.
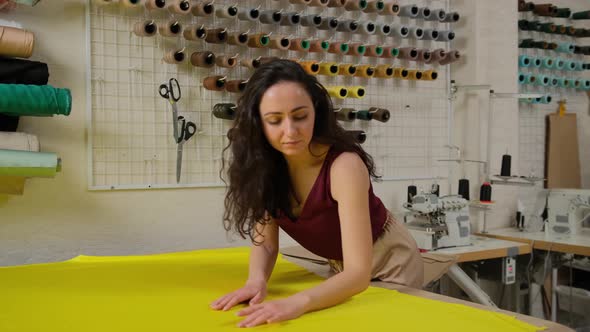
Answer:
(34, 100)
(28, 164)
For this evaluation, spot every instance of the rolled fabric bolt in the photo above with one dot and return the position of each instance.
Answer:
(548, 63)
(279, 43)
(437, 15)
(368, 27)
(174, 57)
(524, 60)
(424, 13)
(536, 62)
(356, 49)
(429, 75)
(311, 67)
(408, 53)
(374, 51)
(300, 2)
(339, 92)
(390, 52)
(348, 26)
(238, 38)
(384, 29)
(251, 63)
(206, 8)
(248, 14)
(205, 59)
(545, 9)
(290, 19)
(171, 28)
(336, 3)
(436, 55)
(312, 20)
(300, 44)
(584, 15)
(214, 83)
(354, 5)
(357, 92)
(318, 45)
(400, 72)
(270, 16)
(365, 71)
(226, 12)
(401, 31)
(416, 32)
(143, 29)
(216, 35)
(431, 34)
(226, 61)
(194, 32)
(359, 135)
(414, 74)
(318, 3)
(338, 48)
(155, 4)
(451, 56)
(374, 6)
(328, 23)
(182, 7)
(384, 71)
(379, 114)
(423, 55)
(390, 8)
(225, 111)
(259, 40)
(328, 68)
(345, 114)
(235, 86)
(446, 35)
(451, 17)
(346, 69)
(409, 11)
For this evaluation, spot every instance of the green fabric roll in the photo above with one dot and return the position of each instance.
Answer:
(29, 164)
(34, 100)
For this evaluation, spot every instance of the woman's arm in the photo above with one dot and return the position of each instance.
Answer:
(264, 256)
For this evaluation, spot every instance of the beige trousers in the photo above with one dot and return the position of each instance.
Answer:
(396, 257)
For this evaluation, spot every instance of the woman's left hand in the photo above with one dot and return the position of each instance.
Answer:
(273, 311)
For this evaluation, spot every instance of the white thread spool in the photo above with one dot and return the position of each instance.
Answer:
(155, 4)
(445, 35)
(130, 3)
(180, 7)
(145, 28)
(430, 34)
(248, 14)
(424, 13)
(384, 29)
(437, 15)
(401, 31)
(416, 32)
(175, 57)
(367, 27)
(409, 11)
(226, 12)
(203, 9)
(311, 20)
(171, 28)
(348, 26)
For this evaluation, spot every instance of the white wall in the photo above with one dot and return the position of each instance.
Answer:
(58, 218)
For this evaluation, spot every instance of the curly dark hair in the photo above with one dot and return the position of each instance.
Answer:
(259, 182)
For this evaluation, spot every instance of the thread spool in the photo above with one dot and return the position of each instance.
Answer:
(431, 34)
(547, 63)
(267, 59)
(506, 160)
(379, 114)
(339, 92)
(445, 36)
(414, 74)
(451, 17)
(390, 52)
(279, 43)
(336, 3)
(311, 67)
(214, 83)
(530, 78)
(546, 9)
(129, 3)
(366, 71)
(250, 63)
(216, 35)
(15, 42)
(357, 92)
(328, 23)
(573, 83)
(384, 29)
(363, 115)
(290, 19)
(225, 111)
(375, 6)
(259, 40)
(408, 53)
(400, 72)
(248, 14)
(357, 49)
(401, 31)
(226, 12)
(312, 20)
(270, 16)
(318, 3)
(436, 55)
(429, 75)
(410, 11)
(437, 15)
(203, 59)
(300, 44)
(194, 32)
(423, 55)
(204, 9)
(354, 5)
(435, 189)
(174, 57)
(384, 71)
(318, 45)
(155, 4)
(181, 7)
(450, 57)
(583, 15)
(238, 39)
(358, 135)
(374, 51)
(464, 188)
(524, 61)
(346, 69)
(416, 32)
(485, 193)
(347, 26)
(368, 28)
(412, 191)
(559, 64)
(300, 2)
(562, 82)
(338, 48)
(235, 86)
(554, 81)
(542, 80)
(328, 69)
(142, 29)
(226, 61)
(171, 28)
(391, 8)
(536, 62)
(345, 114)
(424, 13)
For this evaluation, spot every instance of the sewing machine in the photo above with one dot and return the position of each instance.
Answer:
(568, 211)
(438, 222)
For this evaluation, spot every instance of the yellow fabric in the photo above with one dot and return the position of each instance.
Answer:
(172, 292)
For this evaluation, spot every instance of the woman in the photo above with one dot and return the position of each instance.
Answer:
(295, 168)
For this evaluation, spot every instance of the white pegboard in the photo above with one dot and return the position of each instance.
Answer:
(130, 133)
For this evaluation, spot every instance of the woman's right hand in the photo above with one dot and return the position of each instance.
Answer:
(255, 291)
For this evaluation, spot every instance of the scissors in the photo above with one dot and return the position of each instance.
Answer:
(187, 130)
(171, 92)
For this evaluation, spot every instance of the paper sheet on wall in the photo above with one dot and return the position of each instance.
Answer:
(172, 292)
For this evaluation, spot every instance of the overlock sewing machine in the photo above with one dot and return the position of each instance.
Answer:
(568, 211)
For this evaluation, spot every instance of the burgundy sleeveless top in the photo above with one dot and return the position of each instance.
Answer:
(318, 227)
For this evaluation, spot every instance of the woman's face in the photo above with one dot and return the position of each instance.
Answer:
(288, 117)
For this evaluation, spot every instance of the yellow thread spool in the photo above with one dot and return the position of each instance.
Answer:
(339, 92)
(400, 72)
(414, 74)
(430, 75)
(384, 71)
(366, 71)
(310, 67)
(328, 68)
(358, 92)
(346, 69)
